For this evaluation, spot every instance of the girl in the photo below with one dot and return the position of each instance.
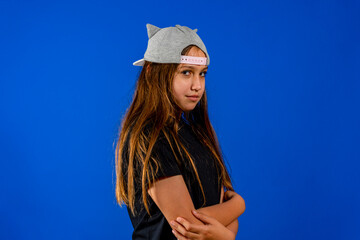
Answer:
(168, 160)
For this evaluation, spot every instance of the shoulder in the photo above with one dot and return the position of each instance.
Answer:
(161, 142)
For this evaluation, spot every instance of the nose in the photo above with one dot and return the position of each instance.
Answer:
(196, 83)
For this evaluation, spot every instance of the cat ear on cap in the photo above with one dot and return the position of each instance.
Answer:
(151, 30)
(185, 27)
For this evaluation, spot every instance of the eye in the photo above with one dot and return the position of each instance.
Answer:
(186, 72)
(203, 74)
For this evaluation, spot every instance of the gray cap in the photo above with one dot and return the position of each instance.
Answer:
(166, 44)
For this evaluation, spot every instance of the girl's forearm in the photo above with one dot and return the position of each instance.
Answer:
(233, 226)
(226, 212)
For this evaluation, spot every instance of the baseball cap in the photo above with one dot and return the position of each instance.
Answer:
(166, 44)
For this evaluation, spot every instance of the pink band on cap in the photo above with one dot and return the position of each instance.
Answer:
(193, 60)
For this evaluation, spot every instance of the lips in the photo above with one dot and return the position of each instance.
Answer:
(193, 97)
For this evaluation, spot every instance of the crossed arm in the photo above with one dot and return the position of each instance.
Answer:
(173, 199)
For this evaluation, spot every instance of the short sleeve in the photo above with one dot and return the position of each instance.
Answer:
(165, 158)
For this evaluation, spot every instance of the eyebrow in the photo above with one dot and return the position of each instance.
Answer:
(187, 66)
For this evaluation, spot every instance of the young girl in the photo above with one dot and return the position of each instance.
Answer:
(168, 160)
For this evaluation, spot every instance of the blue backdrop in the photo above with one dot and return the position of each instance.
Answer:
(284, 94)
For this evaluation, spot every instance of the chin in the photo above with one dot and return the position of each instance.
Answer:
(188, 109)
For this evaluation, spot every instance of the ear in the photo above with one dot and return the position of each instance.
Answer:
(151, 30)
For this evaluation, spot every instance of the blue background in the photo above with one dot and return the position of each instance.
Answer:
(284, 94)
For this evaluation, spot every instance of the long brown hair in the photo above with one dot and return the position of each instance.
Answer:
(154, 103)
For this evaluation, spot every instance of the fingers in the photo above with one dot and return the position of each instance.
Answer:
(202, 217)
(178, 235)
(229, 194)
(189, 227)
(187, 231)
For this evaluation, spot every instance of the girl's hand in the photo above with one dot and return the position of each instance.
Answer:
(212, 230)
(229, 194)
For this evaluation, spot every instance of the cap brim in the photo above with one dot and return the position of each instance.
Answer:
(139, 62)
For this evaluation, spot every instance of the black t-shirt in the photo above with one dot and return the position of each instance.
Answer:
(156, 227)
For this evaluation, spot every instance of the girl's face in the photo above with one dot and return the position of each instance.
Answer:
(189, 82)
